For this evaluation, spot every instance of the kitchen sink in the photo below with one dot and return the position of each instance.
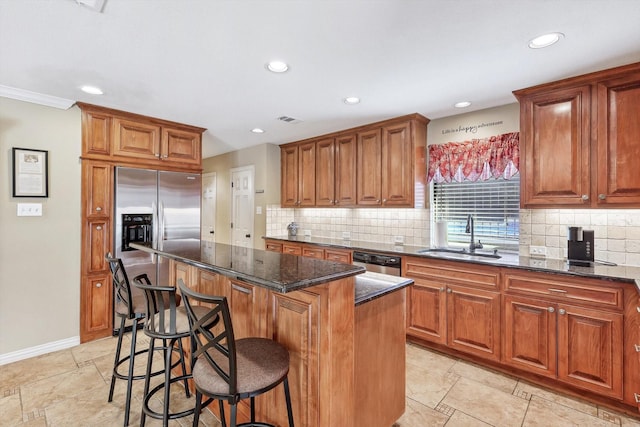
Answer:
(460, 253)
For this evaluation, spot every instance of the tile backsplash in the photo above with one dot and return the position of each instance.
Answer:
(617, 232)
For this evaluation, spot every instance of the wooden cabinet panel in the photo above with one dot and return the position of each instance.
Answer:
(180, 270)
(248, 304)
(313, 252)
(451, 272)
(96, 303)
(273, 246)
(617, 143)
(369, 168)
(473, 321)
(289, 175)
(397, 165)
(136, 139)
(325, 172)
(294, 320)
(96, 133)
(99, 244)
(345, 171)
(427, 311)
(530, 335)
(307, 174)
(181, 146)
(590, 349)
(97, 189)
(555, 147)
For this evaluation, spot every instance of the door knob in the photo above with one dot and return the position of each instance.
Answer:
(247, 235)
(551, 309)
(211, 232)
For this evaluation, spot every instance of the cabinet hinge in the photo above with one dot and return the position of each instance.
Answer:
(637, 397)
(638, 308)
(637, 347)
(231, 225)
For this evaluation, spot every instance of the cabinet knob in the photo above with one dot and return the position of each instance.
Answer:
(98, 209)
(99, 227)
(165, 156)
(98, 285)
(551, 309)
(377, 200)
(442, 289)
(562, 311)
(602, 196)
(449, 290)
(585, 197)
(335, 202)
(156, 154)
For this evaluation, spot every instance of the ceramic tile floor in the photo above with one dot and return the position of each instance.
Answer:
(70, 388)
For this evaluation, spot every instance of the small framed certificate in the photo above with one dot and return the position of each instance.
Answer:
(30, 173)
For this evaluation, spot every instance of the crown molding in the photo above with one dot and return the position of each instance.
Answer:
(35, 98)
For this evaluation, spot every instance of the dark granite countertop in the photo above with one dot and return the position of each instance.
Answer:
(278, 272)
(370, 286)
(547, 265)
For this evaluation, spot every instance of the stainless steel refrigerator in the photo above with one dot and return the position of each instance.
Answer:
(157, 209)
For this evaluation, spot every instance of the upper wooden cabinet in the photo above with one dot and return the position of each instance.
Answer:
(113, 135)
(579, 139)
(381, 164)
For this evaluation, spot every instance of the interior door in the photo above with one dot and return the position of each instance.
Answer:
(242, 206)
(208, 218)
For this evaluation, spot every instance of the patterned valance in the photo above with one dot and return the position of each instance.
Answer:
(475, 160)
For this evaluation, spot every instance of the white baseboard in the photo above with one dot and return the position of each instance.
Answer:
(26, 353)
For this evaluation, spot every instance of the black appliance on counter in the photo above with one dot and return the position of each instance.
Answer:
(137, 228)
(377, 263)
(580, 247)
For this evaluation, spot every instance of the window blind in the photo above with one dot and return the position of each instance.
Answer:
(494, 204)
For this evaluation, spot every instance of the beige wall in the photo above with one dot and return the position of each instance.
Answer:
(40, 256)
(266, 160)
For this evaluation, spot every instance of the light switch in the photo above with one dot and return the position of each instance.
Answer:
(29, 209)
(258, 210)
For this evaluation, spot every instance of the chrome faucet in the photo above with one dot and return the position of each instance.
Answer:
(472, 245)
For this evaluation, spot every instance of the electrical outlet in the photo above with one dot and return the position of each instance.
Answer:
(346, 235)
(537, 251)
(398, 240)
(307, 233)
(540, 263)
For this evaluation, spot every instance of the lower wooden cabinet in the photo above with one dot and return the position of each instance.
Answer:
(454, 306)
(96, 302)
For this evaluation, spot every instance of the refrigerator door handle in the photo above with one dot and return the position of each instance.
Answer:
(161, 235)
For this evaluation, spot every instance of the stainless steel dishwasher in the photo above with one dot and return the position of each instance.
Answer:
(377, 263)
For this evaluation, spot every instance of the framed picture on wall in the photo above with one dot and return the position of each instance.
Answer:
(30, 173)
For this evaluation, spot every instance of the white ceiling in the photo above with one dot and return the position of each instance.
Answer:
(202, 62)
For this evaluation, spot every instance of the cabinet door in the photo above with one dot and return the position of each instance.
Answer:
(294, 321)
(181, 146)
(307, 174)
(180, 270)
(530, 335)
(426, 313)
(618, 141)
(289, 177)
(96, 133)
(369, 168)
(99, 244)
(97, 189)
(397, 165)
(96, 307)
(590, 349)
(555, 132)
(325, 172)
(473, 321)
(345, 174)
(135, 139)
(273, 246)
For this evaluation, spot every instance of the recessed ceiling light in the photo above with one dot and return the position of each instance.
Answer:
(92, 90)
(257, 130)
(462, 104)
(545, 40)
(352, 100)
(277, 66)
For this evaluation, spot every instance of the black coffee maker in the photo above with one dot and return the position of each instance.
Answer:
(580, 247)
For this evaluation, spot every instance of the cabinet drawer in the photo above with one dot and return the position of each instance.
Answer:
(313, 252)
(291, 249)
(579, 291)
(451, 272)
(273, 247)
(338, 255)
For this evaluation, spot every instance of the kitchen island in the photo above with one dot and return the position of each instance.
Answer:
(347, 354)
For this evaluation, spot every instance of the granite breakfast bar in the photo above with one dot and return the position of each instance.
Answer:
(344, 328)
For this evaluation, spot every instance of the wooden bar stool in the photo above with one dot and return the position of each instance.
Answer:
(230, 370)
